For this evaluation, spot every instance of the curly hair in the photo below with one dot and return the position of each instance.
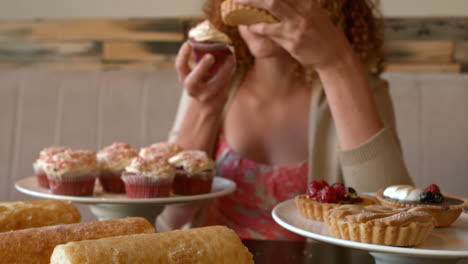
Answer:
(360, 21)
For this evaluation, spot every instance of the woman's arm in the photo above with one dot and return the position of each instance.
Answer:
(202, 119)
(310, 37)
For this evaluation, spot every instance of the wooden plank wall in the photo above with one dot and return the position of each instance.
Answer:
(413, 44)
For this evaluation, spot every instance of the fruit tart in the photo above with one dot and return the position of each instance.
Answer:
(445, 208)
(381, 225)
(321, 197)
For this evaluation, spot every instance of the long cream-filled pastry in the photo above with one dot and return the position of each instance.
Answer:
(206, 245)
(28, 214)
(35, 245)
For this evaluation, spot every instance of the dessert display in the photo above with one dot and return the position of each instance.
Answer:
(29, 214)
(445, 208)
(38, 165)
(112, 161)
(377, 224)
(204, 39)
(321, 197)
(72, 172)
(194, 172)
(35, 245)
(161, 149)
(148, 178)
(234, 14)
(215, 244)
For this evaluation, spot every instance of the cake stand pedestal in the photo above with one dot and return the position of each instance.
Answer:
(107, 206)
(390, 258)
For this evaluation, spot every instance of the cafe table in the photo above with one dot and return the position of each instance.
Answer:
(310, 252)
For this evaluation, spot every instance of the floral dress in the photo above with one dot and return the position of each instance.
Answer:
(260, 187)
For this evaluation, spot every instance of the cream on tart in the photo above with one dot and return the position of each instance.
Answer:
(445, 208)
(320, 198)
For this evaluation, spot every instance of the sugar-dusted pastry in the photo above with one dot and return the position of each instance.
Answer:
(112, 161)
(206, 245)
(234, 14)
(28, 214)
(194, 172)
(148, 178)
(38, 165)
(377, 224)
(161, 149)
(321, 197)
(206, 39)
(72, 172)
(35, 245)
(444, 207)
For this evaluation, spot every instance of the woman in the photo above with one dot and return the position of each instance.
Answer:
(304, 104)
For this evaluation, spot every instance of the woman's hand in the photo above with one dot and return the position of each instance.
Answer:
(305, 31)
(209, 90)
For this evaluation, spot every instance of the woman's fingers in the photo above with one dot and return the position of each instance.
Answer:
(181, 64)
(198, 75)
(226, 71)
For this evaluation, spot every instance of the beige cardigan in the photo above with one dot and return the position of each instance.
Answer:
(375, 164)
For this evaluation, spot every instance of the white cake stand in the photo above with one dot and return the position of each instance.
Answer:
(444, 246)
(113, 206)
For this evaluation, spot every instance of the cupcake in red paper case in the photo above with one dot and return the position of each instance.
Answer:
(72, 173)
(148, 178)
(38, 165)
(204, 39)
(112, 161)
(161, 149)
(194, 172)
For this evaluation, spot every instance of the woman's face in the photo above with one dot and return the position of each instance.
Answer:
(259, 46)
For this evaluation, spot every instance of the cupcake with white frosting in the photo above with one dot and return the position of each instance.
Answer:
(194, 172)
(161, 149)
(72, 173)
(112, 161)
(148, 178)
(206, 39)
(38, 166)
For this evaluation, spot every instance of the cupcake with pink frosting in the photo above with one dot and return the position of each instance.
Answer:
(112, 161)
(72, 173)
(194, 172)
(38, 165)
(161, 149)
(148, 178)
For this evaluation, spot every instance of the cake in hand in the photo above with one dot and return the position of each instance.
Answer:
(161, 149)
(72, 173)
(321, 197)
(194, 172)
(445, 208)
(206, 39)
(145, 178)
(234, 14)
(112, 161)
(38, 165)
(377, 224)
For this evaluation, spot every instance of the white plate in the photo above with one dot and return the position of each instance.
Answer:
(221, 187)
(449, 242)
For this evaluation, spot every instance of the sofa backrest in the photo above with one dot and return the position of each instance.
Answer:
(90, 110)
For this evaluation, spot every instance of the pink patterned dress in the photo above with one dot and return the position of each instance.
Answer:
(260, 188)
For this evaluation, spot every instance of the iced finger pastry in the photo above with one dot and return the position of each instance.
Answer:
(206, 39)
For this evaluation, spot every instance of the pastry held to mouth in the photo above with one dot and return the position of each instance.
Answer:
(444, 208)
(234, 14)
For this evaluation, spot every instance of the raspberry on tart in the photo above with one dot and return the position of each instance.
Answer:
(321, 197)
(445, 208)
